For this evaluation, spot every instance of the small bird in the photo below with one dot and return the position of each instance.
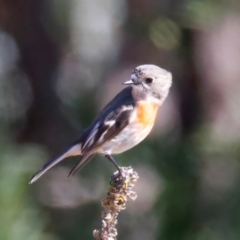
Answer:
(123, 122)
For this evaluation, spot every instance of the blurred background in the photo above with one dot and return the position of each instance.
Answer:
(61, 61)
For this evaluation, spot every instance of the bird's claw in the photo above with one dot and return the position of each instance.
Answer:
(117, 179)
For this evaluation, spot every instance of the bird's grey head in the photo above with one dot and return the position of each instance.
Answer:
(152, 79)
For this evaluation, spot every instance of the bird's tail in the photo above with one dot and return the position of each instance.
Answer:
(72, 151)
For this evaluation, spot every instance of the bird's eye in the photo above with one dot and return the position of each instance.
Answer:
(148, 80)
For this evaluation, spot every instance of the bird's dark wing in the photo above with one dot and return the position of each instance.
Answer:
(105, 131)
(109, 123)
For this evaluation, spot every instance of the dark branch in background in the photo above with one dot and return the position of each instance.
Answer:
(39, 59)
(189, 86)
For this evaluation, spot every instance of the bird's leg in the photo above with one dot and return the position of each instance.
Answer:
(117, 179)
(111, 159)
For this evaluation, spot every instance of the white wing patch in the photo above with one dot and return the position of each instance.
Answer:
(125, 108)
(108, 124)
(92, 134)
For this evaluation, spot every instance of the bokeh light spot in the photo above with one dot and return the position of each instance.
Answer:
(165, 33)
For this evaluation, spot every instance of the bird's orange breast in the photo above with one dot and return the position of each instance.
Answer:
(147, 112)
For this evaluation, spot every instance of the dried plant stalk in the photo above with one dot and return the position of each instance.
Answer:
(119, 193)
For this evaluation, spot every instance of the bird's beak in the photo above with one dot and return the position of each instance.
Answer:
(128, 82)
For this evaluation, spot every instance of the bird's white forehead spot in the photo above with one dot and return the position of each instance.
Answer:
(133, 77)
(137, 72)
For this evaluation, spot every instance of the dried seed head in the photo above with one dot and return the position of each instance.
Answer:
(119, 193)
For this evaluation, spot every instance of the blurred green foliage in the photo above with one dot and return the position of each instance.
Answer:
(21, 218)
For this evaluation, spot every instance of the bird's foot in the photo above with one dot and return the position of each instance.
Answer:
(117, 179)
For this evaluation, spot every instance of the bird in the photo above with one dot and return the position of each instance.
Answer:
(123, 123)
